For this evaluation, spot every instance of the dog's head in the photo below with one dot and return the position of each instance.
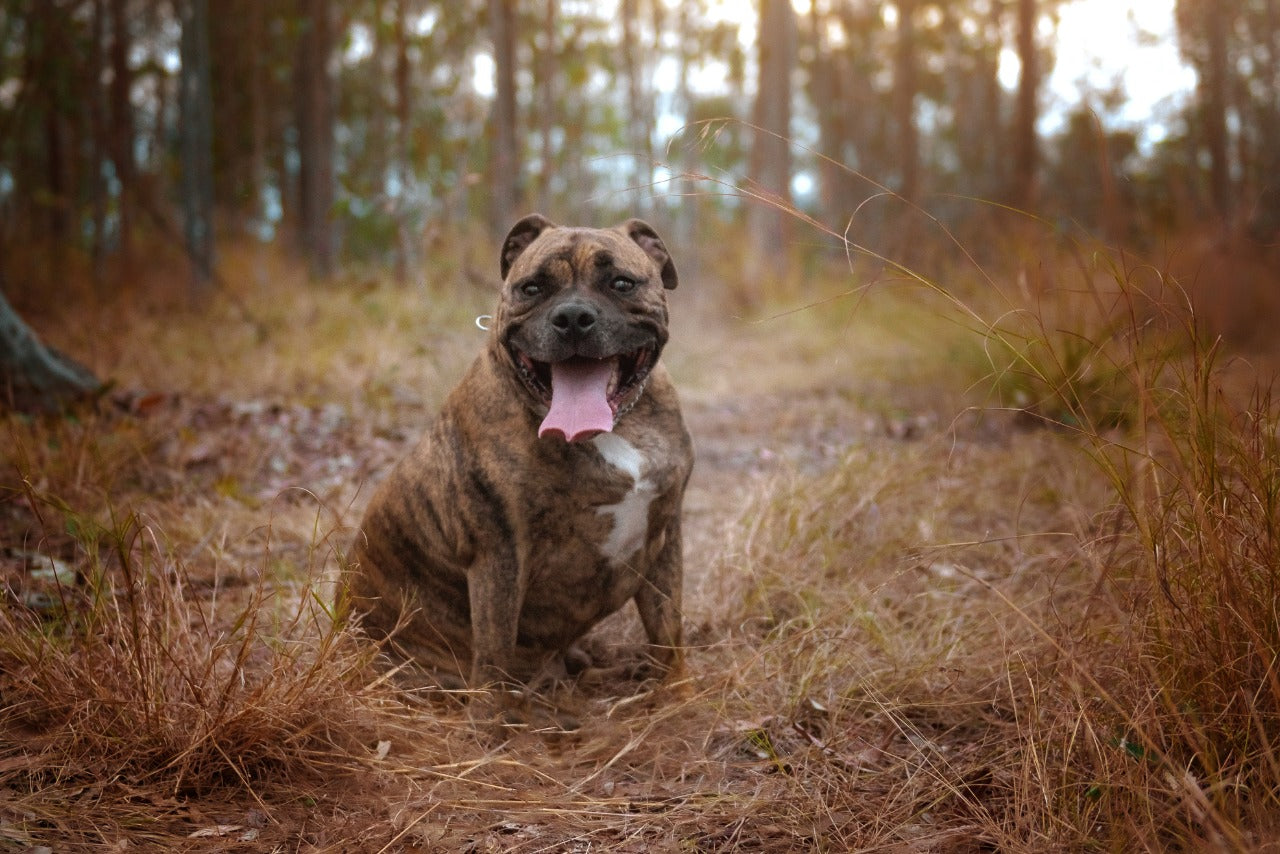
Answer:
(583, 318)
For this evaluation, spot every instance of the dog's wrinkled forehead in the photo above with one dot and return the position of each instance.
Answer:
(566, 254)
(632, 248)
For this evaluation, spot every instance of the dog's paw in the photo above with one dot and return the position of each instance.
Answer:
(556, 721)
(413, 677)
(635, 665)
(498, 711)
(578, 658)
(658, 664)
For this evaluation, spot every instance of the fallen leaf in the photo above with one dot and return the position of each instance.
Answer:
(42, 567)
(216, 830)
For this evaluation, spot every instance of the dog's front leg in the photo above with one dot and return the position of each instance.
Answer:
(493, 590)
(659, 603)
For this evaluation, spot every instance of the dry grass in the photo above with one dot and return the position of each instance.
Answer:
(882, 593)
(135, 686)
(1191, 686)
(915, 626)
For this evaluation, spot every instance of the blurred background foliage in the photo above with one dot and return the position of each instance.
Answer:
(375, 132)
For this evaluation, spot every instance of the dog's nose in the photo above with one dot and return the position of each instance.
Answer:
(574, 318)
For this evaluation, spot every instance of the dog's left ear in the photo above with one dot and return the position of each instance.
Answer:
(519, 237)
(648, 240)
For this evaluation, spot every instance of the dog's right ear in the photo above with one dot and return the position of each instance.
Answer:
(518, 239)
(648, 240)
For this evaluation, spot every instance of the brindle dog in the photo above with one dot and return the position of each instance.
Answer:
(548, 491)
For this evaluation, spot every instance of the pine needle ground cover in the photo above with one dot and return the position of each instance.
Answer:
(971, 565)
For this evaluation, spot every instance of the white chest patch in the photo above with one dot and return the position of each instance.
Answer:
(631, 514)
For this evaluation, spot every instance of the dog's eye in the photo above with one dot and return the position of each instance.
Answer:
(622, 285)
(529, 289)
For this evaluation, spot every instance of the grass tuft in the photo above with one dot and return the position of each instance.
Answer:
(1168, 726)
(137, 674)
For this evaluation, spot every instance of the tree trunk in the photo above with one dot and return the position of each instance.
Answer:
(905, 88)
(861, 117)
(1272, 39)
(1264, 219)
(573, 155)
(122, 121)
(404, 246)
(547, 66)
(34, 377)
(258, 138)
(992, 169)
(1026, 154)
(506, 163)
(196, 143)
(767, 218)
(378, 145)
(823, 90)
(158, 139)
(637, 123)
(100, 147)
(315, 137)
(686, 154)
(1215, 85)
(53, 62)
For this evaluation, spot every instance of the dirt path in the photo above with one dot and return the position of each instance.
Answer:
(247, 488)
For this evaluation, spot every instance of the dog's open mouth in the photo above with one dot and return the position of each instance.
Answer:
(584, 396)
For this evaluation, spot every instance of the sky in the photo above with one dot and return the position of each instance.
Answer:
(1098, 42)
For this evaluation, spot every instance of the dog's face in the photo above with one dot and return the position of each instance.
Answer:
(583, 318)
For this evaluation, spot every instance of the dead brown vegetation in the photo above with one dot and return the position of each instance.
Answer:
(920, 620)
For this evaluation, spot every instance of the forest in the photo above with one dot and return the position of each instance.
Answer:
(982, 542)
(361, 132)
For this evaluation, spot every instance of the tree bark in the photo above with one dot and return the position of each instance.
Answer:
(905, 88)
(506, 162)
(860, 120)
(122, 121)
(196, 143)
(823, 90)
(992, 167)
(158, 139)
(546, 85)
(767, 217)
(258, 135)
(35, 377)
(1026, 153)
(378, 144)
(315, 136)
(404, 247)
(55, 55)
(1264, 219)
(100, 148)
(686, 155)
(1215, 85)
(639, 139)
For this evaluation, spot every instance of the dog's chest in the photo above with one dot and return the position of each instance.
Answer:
(628, 517)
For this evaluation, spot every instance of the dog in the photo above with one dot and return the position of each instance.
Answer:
(548, 492)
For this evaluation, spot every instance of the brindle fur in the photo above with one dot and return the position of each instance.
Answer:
(484, 545)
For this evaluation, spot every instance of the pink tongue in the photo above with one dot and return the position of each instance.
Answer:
(579, 399)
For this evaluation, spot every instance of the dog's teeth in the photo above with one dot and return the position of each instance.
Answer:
(614, 379)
